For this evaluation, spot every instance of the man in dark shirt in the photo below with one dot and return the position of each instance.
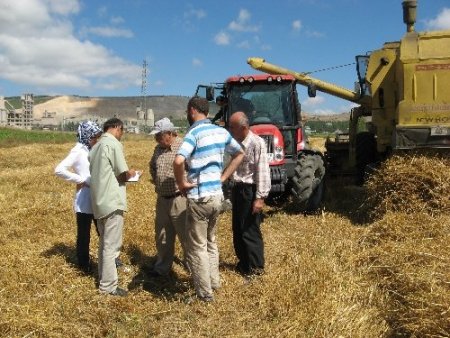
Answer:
(170, 204)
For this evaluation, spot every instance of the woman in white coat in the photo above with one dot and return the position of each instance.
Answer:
(75, 169)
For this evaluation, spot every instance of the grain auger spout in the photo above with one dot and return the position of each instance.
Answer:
(310, 82)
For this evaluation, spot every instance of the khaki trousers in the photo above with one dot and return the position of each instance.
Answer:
(170, 221)
(201, 247)
(110, 229)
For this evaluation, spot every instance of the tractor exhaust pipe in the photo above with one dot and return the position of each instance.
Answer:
(409, 14)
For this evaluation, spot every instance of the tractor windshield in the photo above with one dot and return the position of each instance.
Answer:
(264, 103)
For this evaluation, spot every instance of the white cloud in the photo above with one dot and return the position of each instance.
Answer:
(296, 25)
(191, 18)
(320, 104)
(313, 101)
(346, 108)
(314, 105)
(38, 48)
(241, 24)
(109, 32)
(197, 62)
(441, 22)
(322, 112)
(195, 13)
(244, 44)
(63, 7)
(115, 20)
(222, 38)
(314, 34)
(239, 27)
(102, 11)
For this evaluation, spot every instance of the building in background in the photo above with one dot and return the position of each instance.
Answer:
(20, 118)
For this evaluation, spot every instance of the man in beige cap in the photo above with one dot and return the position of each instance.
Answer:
(170, 204)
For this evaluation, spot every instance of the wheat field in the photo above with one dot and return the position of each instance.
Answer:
(358, 268)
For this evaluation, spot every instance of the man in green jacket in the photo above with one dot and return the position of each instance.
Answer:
(109, 172)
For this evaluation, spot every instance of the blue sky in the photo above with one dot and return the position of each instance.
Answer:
(97, 47)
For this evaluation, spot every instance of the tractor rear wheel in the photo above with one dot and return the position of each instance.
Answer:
(308, 182)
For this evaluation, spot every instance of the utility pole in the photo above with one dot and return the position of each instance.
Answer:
(144, 89)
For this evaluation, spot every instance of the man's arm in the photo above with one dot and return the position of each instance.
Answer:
(262, 177)
(152, 167)
(178, 171)
(236, 159)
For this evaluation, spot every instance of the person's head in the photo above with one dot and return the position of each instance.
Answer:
(88, 132)
(239, 126)
(114, 126)
(197, 109)
(221, 100)
(164, 132)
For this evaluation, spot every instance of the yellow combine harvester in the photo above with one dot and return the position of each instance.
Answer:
(404, 93)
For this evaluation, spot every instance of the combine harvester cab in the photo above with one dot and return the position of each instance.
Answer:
(403, 94)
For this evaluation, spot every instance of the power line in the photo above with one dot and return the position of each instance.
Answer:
(330, 68)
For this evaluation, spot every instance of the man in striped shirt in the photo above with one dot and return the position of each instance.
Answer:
(251, 186)
(202, 151)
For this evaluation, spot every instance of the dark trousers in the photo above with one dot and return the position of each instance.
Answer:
(247, 237)
(84, 222)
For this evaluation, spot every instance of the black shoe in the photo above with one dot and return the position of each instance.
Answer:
(241, 270)
(208, 299)
(154, 274)
(256, 272)
(87, 269)
(119, 292)
(191, 299)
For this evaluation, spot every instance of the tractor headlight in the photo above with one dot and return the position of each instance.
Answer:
(278, 153)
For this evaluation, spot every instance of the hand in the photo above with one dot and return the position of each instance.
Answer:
(82, 185)
(258, 205)
(185, 186)
(131, 173)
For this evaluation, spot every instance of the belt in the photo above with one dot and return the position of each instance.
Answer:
(178, 193)
(243, 185)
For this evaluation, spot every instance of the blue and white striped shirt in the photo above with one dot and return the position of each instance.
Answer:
(203, 148)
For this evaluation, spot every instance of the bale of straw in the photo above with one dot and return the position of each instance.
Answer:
(407, 256)
(411, 183)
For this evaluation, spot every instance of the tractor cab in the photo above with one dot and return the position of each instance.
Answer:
(273, 110)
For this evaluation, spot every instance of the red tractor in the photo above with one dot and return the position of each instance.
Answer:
(273, 109)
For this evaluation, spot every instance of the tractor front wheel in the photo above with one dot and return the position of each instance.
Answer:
(308, 182)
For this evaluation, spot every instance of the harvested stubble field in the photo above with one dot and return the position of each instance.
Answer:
(359, 268)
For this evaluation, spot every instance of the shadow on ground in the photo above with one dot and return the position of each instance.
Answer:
(170, 287)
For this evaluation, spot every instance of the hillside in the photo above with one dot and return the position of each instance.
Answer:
(79, 107)
(328, 118)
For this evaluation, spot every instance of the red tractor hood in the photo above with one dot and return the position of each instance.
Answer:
(273, 138)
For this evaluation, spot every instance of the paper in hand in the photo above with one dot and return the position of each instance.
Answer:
(136, 177)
